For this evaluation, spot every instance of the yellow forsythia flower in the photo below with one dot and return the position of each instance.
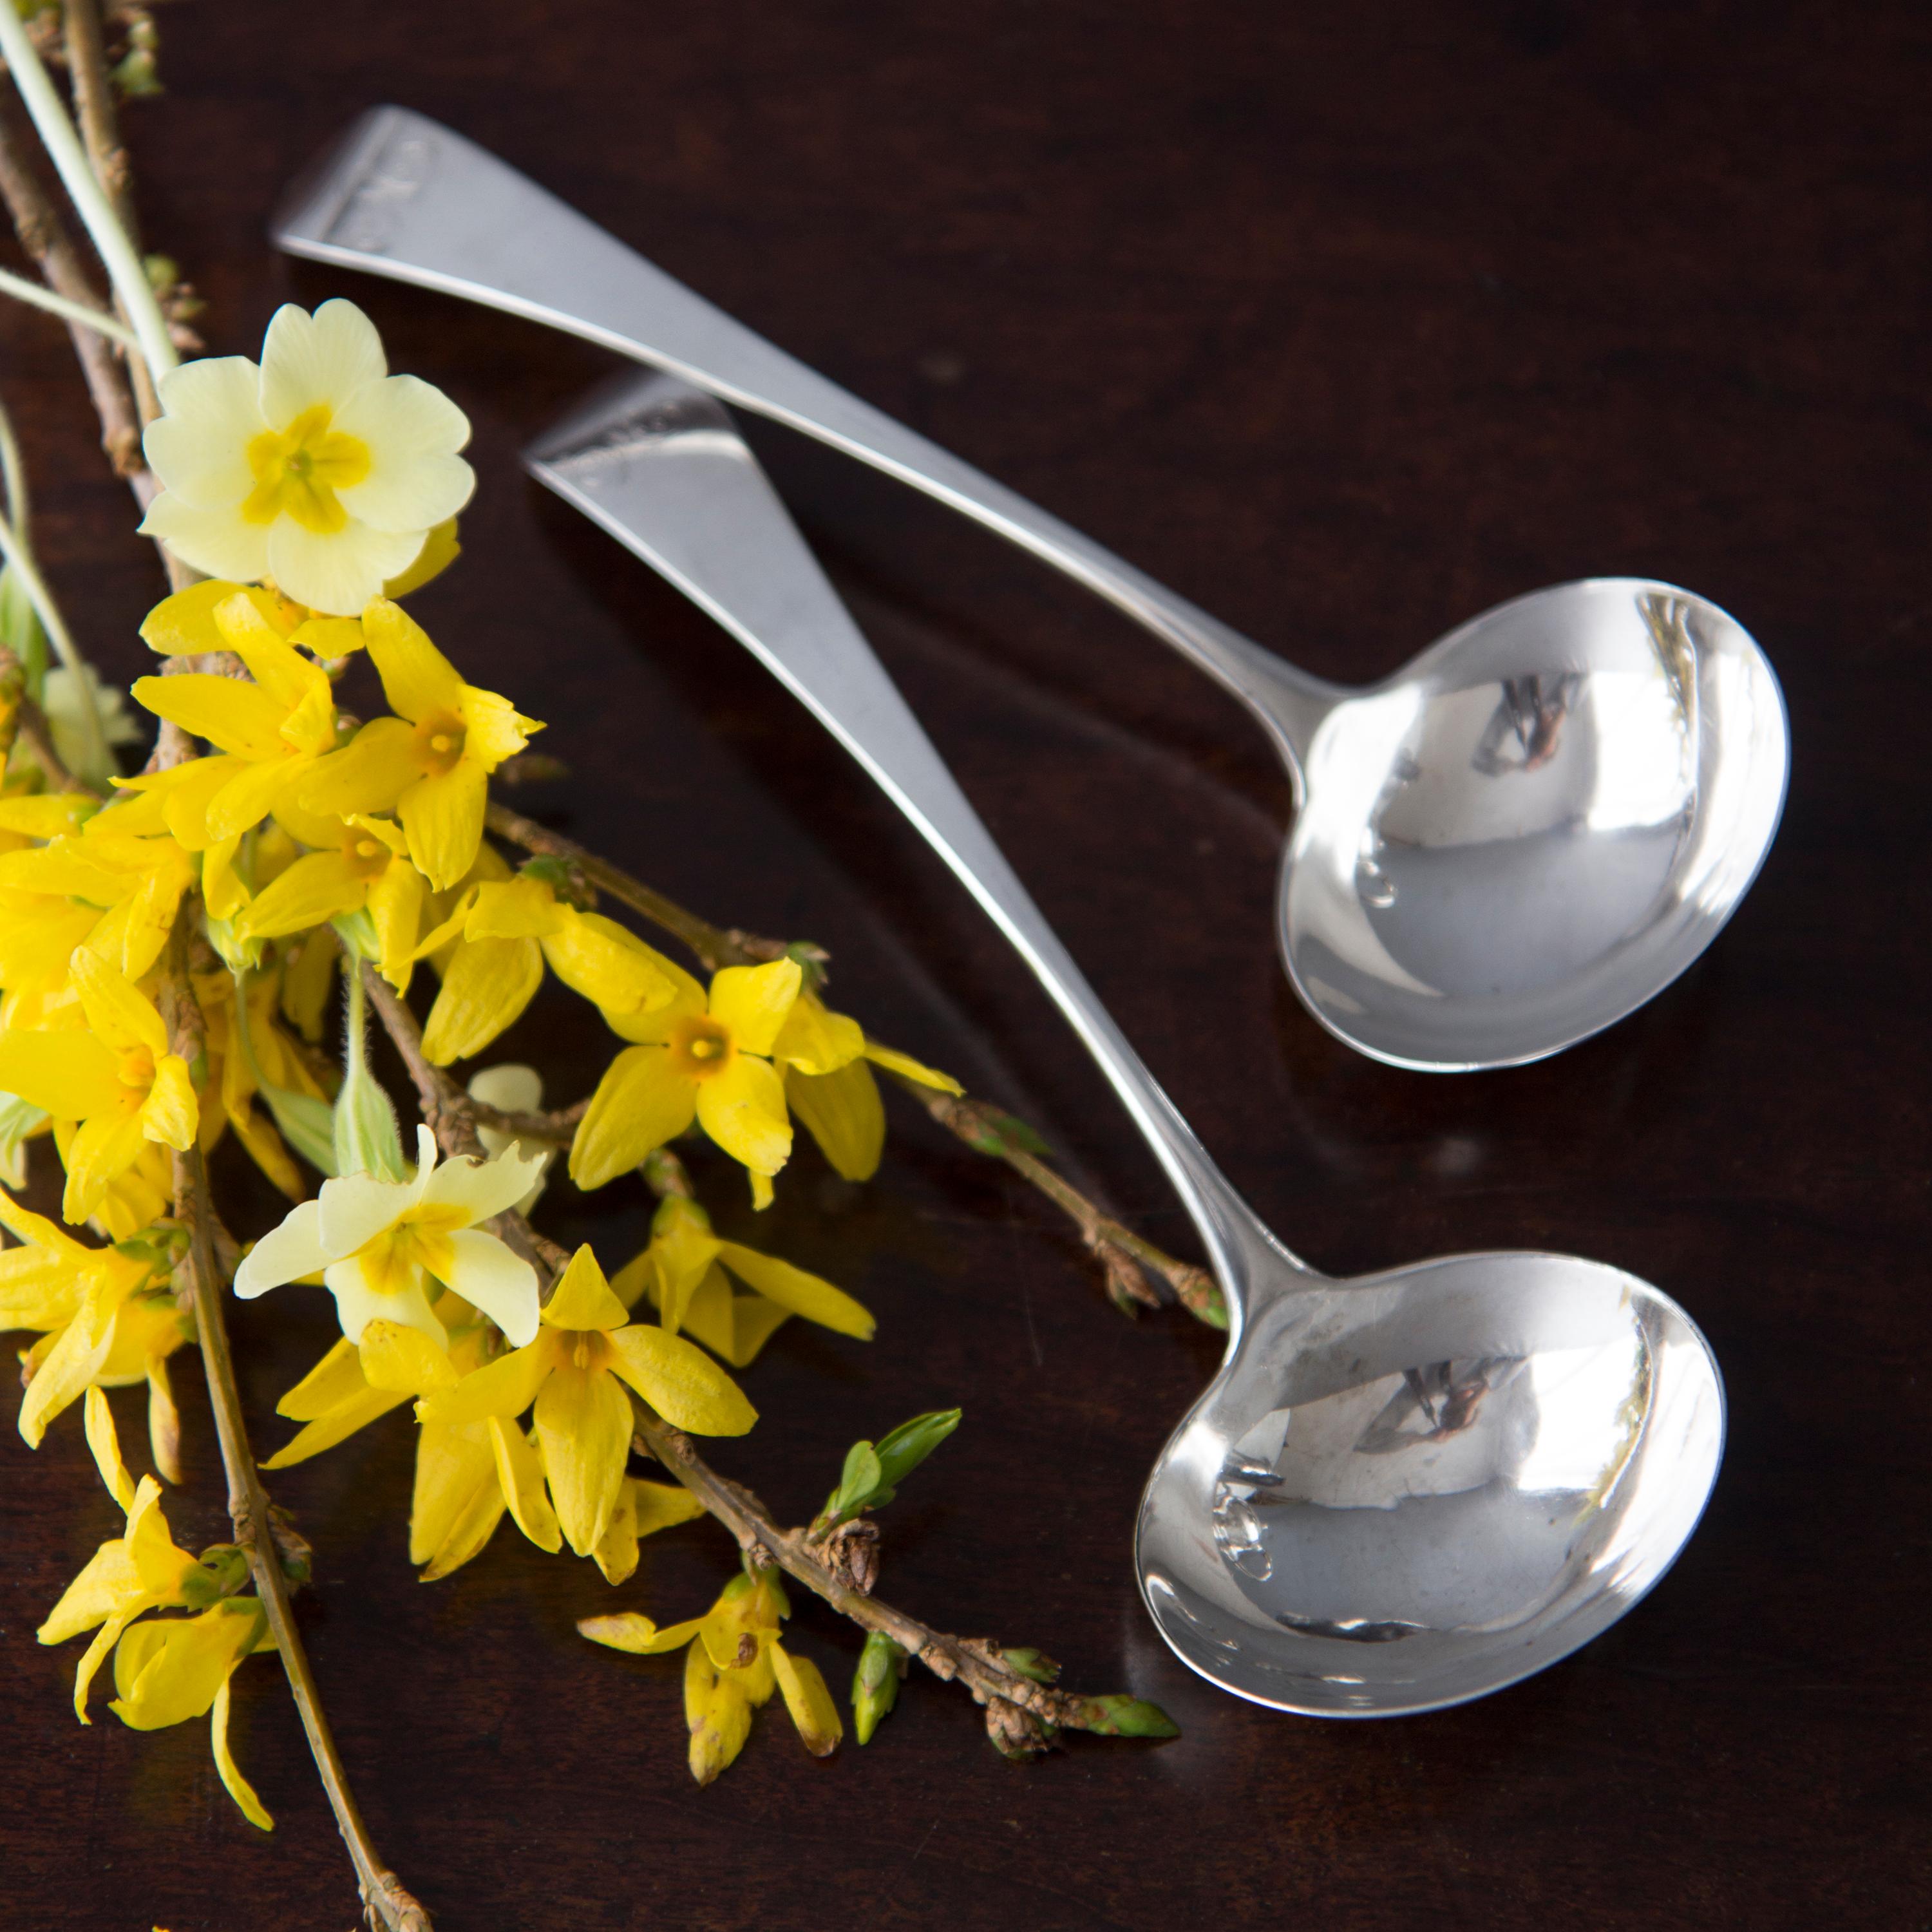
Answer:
(118, 1079)
(318, 469)
(271, 732)
(683, 1271)
(136, 1572)
(374, 1242)
(430, 764)
(100, 1328)
(698, 1058)
(572, 1371)
(370, 867)
(734, 1664)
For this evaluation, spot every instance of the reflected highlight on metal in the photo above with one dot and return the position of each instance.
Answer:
(1399, 1492)
(1528, 832)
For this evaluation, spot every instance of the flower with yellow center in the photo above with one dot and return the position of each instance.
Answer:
(374, 1241)
(430, 764)
(698, 1058)
(734, 1663)
(118, 1079)
(370, 867)
(272, 730)
(318, 469)
(573, 1372)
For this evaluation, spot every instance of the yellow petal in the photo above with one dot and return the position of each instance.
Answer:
(308, 973)
(815, 1041)
(519, 908)
(109, 1584)
(168, 1672)
(103, 1149)
(457, 1501)
(116, 1010)
(755, 1001)
(169, 1114)
(163, 1420)
(494, 727)
(368, 774)
(841, 1112)
(443, 815)
(641, 1102)
(489, 983)
(395, 905)
(105, 1447)
(417, 679)
(183, 625)
(239, 718)
(505, 1387)
(718, 1713)
(610, 967)
(791, 1288)
(912, 1069)
(743, 1110)
(680, 1381)
(280, 670)
(808, 1701)
(237, 1786)
(403, 1360)
(72, 1076)
(255, 790)
(521, 1476)
(440, 549)
(336, 1425)
(617, 1550)
(582, 1298)
(638, 1634)
(735, 1327)
(583, 1421)
(313, 890)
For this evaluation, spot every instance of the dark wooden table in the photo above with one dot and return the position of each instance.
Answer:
(1348, 322)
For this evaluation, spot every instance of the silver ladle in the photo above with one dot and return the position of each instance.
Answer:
(1400, 1491)
(1527, 832)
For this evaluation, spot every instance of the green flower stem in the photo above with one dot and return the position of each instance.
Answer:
(384, 1896)
(35, 294)
(1120, 1252)
(111, 240)
(14, 546)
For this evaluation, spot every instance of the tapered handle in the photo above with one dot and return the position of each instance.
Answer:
(402, 195)
(659, 465)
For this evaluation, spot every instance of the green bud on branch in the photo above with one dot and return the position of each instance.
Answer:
(875, 1684)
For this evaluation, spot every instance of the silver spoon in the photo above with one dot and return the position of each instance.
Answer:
(1400, 1491)
(1528, 832)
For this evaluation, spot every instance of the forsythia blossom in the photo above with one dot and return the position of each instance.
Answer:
(318, 469)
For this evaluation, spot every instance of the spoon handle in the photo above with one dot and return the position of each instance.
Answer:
(402, 195)
(660, 466)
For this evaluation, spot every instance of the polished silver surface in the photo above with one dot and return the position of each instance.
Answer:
(1516, 841)
(1399, 1491)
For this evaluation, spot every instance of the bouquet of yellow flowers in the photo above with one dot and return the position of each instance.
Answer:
(171, 943)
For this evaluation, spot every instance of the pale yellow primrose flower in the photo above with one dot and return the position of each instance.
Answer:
(318, 469)
(372, 1241)
(118, 1079)
(431, 763)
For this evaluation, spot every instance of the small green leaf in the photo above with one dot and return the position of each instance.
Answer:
(1031, 1663)
(858, 1484)
(902, 1451)
(1121, 1716)
(875, 1684)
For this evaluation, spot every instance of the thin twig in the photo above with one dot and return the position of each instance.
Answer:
(1022, 1712)
(44, 237)
(94, 99)
(384, 1896)
(559, 1126)
(1120, 1252)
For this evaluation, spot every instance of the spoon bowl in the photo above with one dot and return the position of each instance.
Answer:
(1409, 1489)
(1532, 828)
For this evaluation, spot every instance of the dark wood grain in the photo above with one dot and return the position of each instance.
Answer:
(1348, 321)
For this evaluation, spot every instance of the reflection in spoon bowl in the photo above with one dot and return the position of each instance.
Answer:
(1532, 828)
(1391, 1534)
